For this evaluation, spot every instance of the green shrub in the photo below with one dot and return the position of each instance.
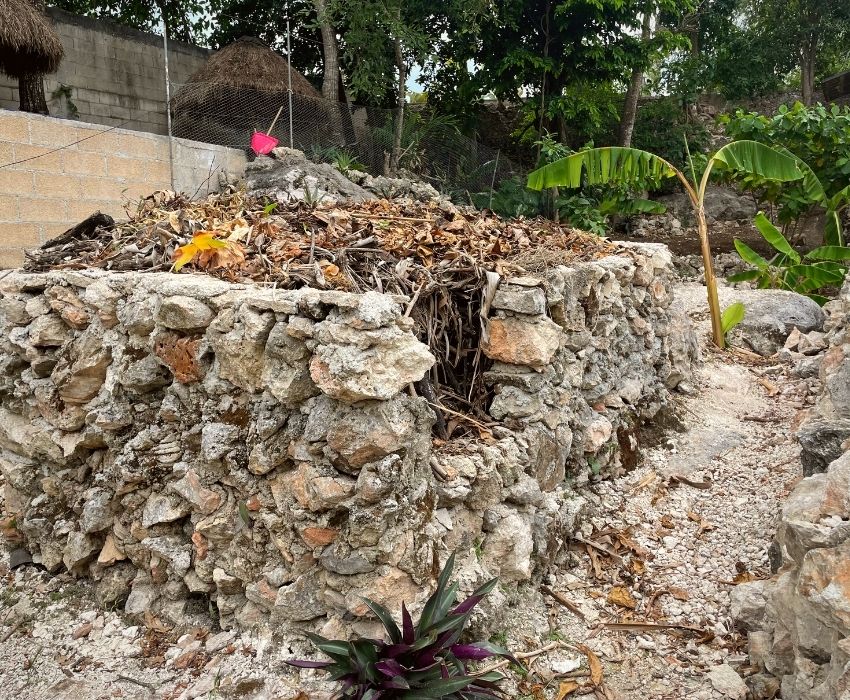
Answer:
(818, 136)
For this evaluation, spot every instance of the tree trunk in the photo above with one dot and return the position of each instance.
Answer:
(330, 50)
(399, 114)
(31, 94)
(627, 121)
(807, 71)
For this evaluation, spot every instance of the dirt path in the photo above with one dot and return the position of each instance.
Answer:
(685, 542)
(657, 549)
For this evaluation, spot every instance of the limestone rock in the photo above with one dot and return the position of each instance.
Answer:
(349, 373)
(162, 508)
(80, 378)
(749, 603)
(301, 600)
(771, 315)
(522, 342)
(375, 431)
(821, 440)
(191, 489)
(598, 433)
(240, 351)
(145, 375)
(507, 550)
(183, 313)
(727, 682)
(69, 306)
(96, 515)
(824, 581)
(48, 331)
(114, 585)
(79, 550)
(519, 299)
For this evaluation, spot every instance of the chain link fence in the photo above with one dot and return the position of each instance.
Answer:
(432, 148)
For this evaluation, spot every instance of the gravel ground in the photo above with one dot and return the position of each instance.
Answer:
(665, 544)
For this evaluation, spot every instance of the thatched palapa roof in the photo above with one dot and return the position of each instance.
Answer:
(28, 42)
(247, 64)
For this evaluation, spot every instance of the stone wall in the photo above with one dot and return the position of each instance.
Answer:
(54, 189)
(181, 440)
(116, 74)
(799, 620)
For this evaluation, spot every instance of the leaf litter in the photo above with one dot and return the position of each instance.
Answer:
(447, 262)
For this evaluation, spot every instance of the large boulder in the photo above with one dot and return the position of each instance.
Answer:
(771, 315)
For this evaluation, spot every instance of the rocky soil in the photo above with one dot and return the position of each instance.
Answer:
(665, 544)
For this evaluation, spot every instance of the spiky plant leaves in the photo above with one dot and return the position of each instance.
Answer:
(424, 660)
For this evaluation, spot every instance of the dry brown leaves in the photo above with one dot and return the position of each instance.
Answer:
(620, 595)
(234, 235)
(181, 356)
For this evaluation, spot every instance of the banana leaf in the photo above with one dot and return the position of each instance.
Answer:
(758, 159)
(816, 273)
(834, 253)
(750, 256)
(601, 166)
(774, 236)
(732, 316)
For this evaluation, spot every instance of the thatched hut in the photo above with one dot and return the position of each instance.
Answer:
(29, 48)
(240, 89)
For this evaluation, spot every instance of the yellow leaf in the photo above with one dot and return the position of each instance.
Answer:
(183, 255)
(678, 593)
(566, 688)
(205, 240)
(201, 241)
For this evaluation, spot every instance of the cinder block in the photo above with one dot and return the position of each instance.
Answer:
(82, 209)
(41, 158)
(136, 190)
(11, 258)
(142, 146)
(58, 185)
(49, 231)
(15, 235)
(7, 155)
(43, 210)
(54, 132)
(96, 188)
(129, 168)
(159, 173)
(14, 127)
(16, 182)
(85, 163)
(8, 208)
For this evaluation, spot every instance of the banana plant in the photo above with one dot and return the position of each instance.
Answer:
(599, 166)
(787, 269)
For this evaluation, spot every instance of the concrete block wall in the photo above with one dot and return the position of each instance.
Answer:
(109, 170)
(116, 74)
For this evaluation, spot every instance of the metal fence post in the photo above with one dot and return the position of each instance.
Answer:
(168, 104)
(289, 71)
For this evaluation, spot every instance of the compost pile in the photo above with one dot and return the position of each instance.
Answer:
(446, 261)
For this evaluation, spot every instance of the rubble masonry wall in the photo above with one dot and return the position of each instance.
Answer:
(183, 441)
